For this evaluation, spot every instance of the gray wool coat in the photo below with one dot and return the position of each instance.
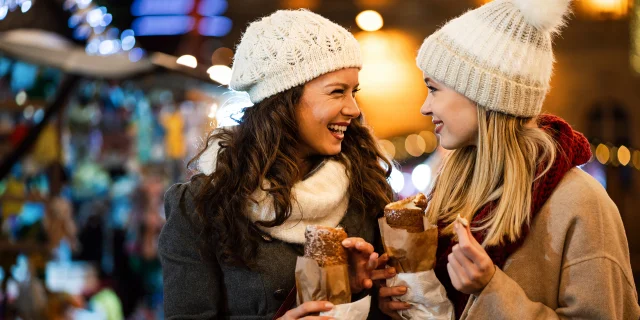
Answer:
(194, 289)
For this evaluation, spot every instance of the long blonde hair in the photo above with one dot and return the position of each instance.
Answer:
(502, 167)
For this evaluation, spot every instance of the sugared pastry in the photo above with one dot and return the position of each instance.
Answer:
(324, 245)
(407, 214)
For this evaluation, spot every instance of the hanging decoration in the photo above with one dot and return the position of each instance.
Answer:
(7, 6)
(93, 24)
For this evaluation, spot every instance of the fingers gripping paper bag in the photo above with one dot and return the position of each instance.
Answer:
(411, 243)
(322, 274)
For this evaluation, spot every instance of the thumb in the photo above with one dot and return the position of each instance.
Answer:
(470, 247)
(461, 228)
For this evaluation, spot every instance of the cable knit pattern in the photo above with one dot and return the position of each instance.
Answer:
(497, 55)
(290, 48)
(321, 199)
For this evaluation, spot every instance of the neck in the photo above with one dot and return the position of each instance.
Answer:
(306, 164)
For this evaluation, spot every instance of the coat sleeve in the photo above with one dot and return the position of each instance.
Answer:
(595, 278)
(192, 288)
(614, 297)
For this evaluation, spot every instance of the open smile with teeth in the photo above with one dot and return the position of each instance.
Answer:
(337, 131)
(337, 128)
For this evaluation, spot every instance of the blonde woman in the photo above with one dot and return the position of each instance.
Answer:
(544, 240)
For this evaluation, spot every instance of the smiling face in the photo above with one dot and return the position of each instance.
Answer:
(455, 116)
(326, 109)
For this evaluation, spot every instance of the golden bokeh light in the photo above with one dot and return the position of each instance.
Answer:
(602, 154)
(624, 155)
(636, 159)
(388, 147)
(222, 56)
(369, 20)
(431, 141)
(415, 145)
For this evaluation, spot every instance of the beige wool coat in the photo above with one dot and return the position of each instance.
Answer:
(574, 264)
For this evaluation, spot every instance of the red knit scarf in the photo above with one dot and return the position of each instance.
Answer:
(572, 150)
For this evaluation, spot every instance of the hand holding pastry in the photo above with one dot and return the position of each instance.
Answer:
(470, 267)
(385, 303)
(307, 310)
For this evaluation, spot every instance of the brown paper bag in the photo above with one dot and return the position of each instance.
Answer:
(322, 284)
(410, 252)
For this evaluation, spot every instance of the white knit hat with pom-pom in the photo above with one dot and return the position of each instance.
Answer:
(290, 48)
(498, 55)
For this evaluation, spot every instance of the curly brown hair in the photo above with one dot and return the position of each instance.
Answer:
(265, 146)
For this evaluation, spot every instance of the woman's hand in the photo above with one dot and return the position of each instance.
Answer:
(307, 311)
(362, 262)
(470, 267)
(386, 305)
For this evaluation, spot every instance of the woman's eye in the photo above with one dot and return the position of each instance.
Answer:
(432, 89)
(353, 93)
(337, 91)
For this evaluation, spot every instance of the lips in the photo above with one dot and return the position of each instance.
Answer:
(337, 130)
(439, 124)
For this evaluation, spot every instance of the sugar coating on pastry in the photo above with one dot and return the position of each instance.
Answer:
(407, 214)
(324, 245)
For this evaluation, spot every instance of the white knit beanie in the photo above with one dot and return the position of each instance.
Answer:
(290, 48)
(498, 55)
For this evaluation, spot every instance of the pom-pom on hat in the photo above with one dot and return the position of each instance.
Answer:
(498, 55)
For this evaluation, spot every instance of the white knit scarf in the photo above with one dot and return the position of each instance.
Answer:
(321, 199)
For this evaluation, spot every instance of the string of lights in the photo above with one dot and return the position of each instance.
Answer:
(93, 25)
(7, 6)
(617, 156)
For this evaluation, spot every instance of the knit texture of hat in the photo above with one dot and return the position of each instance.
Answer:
(498, 55)
(290, 48)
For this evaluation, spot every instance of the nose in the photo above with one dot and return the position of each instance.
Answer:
(426, 107)
(351, 109)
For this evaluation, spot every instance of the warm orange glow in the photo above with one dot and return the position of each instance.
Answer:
(636, 159)
(392, 86)
(624, 155)
(369, 20)
(298, 4)
(602, 154)
(430, 140)
(596, 9)
(635, 39)
(373, 3)
(388, 147)
(415, 145)
(604, 9)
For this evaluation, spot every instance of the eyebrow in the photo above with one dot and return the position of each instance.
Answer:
(340, 84)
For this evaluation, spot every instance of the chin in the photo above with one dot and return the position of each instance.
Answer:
(331, 150)
(450, 145)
